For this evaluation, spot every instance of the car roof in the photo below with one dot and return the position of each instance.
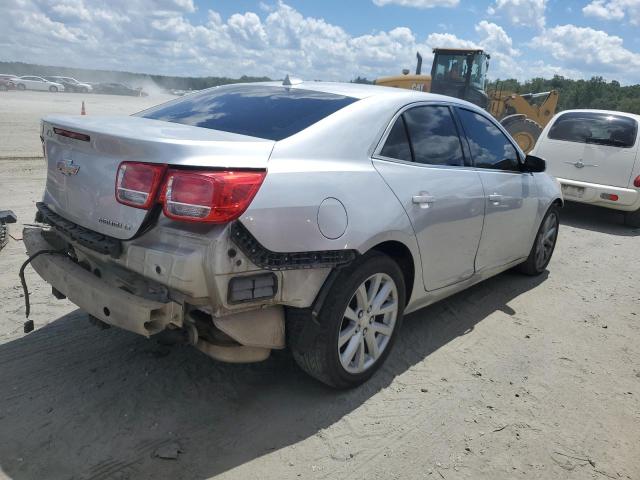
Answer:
(361, 91)
(607, 112)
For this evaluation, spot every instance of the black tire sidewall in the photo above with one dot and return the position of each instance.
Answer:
(552, 209)
(53, 89)
(331, 315)
(21, 86)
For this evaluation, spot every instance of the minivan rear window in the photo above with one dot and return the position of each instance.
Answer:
(595, 127)
(269, 112)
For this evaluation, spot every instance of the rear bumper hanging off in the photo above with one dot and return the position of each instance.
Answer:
(110, 304)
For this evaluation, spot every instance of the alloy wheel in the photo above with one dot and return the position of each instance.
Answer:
(546, 240)
(368, 323)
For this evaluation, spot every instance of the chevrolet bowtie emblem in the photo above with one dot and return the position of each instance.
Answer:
(67, 167)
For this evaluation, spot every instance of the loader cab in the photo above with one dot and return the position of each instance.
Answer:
(460, 73)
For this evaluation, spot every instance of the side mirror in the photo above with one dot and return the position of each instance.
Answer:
(533, 164)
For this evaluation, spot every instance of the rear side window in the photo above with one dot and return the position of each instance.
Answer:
(397, 144)
(434, 136)
(490, 148)
(269, 112)
(595, 127)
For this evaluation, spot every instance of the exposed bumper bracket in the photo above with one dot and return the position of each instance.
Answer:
(269, 260)
(107, 303)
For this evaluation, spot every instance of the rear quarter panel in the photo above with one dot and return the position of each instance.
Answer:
(331, 159)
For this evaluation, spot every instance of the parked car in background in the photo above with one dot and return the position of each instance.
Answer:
(71, 84)
(117, 89)
(7, 83)
(594, 155)
(312, 215)
(38, 83)
(8, 76)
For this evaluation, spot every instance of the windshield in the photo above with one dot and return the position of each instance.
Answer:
(451, 67)
(258, 111)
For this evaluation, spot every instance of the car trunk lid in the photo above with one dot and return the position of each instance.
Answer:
(83, 154)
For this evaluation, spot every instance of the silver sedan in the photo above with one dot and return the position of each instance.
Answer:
(312, 215)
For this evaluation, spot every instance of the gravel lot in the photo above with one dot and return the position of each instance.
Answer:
(514, 378)
(20, 114)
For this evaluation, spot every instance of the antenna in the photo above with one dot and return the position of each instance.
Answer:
(290, 81)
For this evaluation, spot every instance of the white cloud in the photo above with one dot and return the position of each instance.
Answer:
(160, 36)
(528, 13)
(589, 50)
(614, 10)
(418, 3)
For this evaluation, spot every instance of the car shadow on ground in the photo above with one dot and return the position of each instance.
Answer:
(83, 403)
(597, 219)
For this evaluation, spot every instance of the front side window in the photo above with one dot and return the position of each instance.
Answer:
(490, 148)
(262, 111)
(595, 127)
(434, 136)
(479, 71)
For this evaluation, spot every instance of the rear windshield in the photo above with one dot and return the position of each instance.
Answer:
(595, 127)
(260, 111)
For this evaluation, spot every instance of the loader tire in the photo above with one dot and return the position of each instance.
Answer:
(525, 132)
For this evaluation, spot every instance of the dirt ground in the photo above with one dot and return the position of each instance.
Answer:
(517, 377)
(20, 114)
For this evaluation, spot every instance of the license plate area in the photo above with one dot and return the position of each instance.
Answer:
(572, 191)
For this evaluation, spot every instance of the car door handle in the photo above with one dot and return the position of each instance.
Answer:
(581, 164)
(423, 198)
(495, 199)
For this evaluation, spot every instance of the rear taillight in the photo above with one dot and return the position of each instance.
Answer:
(137, 184)
(636, 182)
(205, 196)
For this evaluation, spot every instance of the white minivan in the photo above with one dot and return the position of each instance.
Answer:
(594, 155)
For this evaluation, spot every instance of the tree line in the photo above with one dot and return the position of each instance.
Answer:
(594, 93)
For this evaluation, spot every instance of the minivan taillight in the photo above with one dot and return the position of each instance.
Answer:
(636, 182)
(209, 196)
(137, 183)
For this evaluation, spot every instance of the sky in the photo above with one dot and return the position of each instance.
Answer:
(324, 39)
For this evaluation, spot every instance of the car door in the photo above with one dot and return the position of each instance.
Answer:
(422, 161)
(29, 83)
(511, 199)
(39, 83)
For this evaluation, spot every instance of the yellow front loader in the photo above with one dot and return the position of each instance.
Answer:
(462, 73)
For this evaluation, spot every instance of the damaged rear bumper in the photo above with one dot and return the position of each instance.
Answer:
(110, 304)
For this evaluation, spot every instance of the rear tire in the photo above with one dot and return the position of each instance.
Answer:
(21, 86)
(544, 244)
(356, 326)
(525, 132)
(632, 219)
(53, 88)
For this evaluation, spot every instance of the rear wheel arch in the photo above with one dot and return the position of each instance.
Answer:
(401, 254)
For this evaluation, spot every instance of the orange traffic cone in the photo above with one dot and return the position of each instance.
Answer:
(82, 110)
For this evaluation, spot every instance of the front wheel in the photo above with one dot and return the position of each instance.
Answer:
(358, 323)
(544, 245)
(53, 88)
(21, 86)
